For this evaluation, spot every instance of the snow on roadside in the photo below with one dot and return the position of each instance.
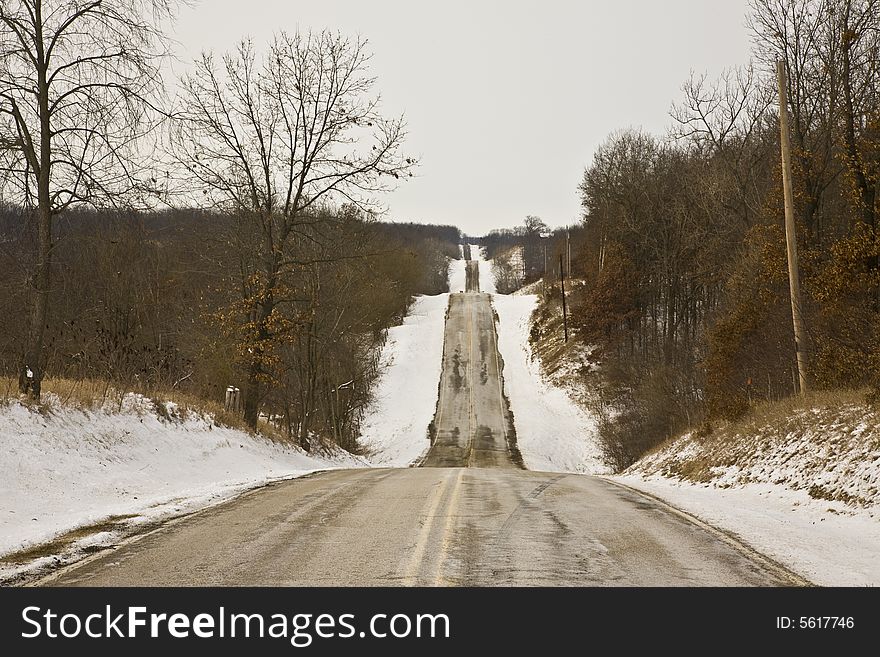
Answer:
(831, 452)
(827, 542)
(457, 275)
(395, 430)
(70, 468)
(553, 432)
(803, 487)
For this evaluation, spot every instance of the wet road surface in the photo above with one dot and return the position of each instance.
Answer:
(432, 526)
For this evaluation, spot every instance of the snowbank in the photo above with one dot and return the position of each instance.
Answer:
(830, 452)
(801, 486)
(457, 275)
(827, 542)
(553, 433)
(70, 468)
(395, 430)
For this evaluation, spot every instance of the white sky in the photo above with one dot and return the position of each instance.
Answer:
(506, 101)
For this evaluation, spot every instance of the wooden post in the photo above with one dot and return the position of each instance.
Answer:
(800, 333)
(564, 310)
(232, 403)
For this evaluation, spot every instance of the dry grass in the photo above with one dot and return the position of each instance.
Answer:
(825, 444)
(60, 543)
(85, 393)
(93, 394)
(551, 348)
(787, 412)
(783, 414)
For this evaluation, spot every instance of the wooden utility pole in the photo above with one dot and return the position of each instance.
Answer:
(564, 309)
(797, 316)
(544, 279)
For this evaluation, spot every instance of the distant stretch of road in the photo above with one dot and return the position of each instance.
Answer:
(471, 517)
(472, 426)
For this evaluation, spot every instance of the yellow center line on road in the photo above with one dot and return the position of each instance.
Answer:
(448, 531)
(411, 576)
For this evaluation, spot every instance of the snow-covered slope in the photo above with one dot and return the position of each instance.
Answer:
(830, 453)
(68, 468)
(827, 542)
(395, 430)
(803, 488)
(457, 275)
(552, 431)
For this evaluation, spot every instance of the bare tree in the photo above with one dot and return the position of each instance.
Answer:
(715, 112)
(795, 32)
(855, 30)
(77, 80)
(831, 50)
(723, 121)
(271, 138)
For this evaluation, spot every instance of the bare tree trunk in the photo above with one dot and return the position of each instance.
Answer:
(252, 393)
(864, 189)
(31, 377)
(309, 385)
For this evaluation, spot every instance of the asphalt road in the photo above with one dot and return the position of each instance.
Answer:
(473, 519)
(472, 426)
(432, 526)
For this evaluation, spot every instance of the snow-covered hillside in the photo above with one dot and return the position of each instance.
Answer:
(553, 432)
(804, 488)
(457, 276)
(830, 453)
(116, 468)
(829, 543)
(395, 430)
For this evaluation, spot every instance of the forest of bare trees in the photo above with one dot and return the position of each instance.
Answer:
(683, 247)
(685, 303)
(79, 83)
(141, 302)
(226, 236)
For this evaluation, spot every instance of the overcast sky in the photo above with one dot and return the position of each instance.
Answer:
(506, 101)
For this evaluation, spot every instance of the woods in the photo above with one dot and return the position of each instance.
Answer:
(141, 302)
(224, 236)
(79, 83)
(687, 302)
